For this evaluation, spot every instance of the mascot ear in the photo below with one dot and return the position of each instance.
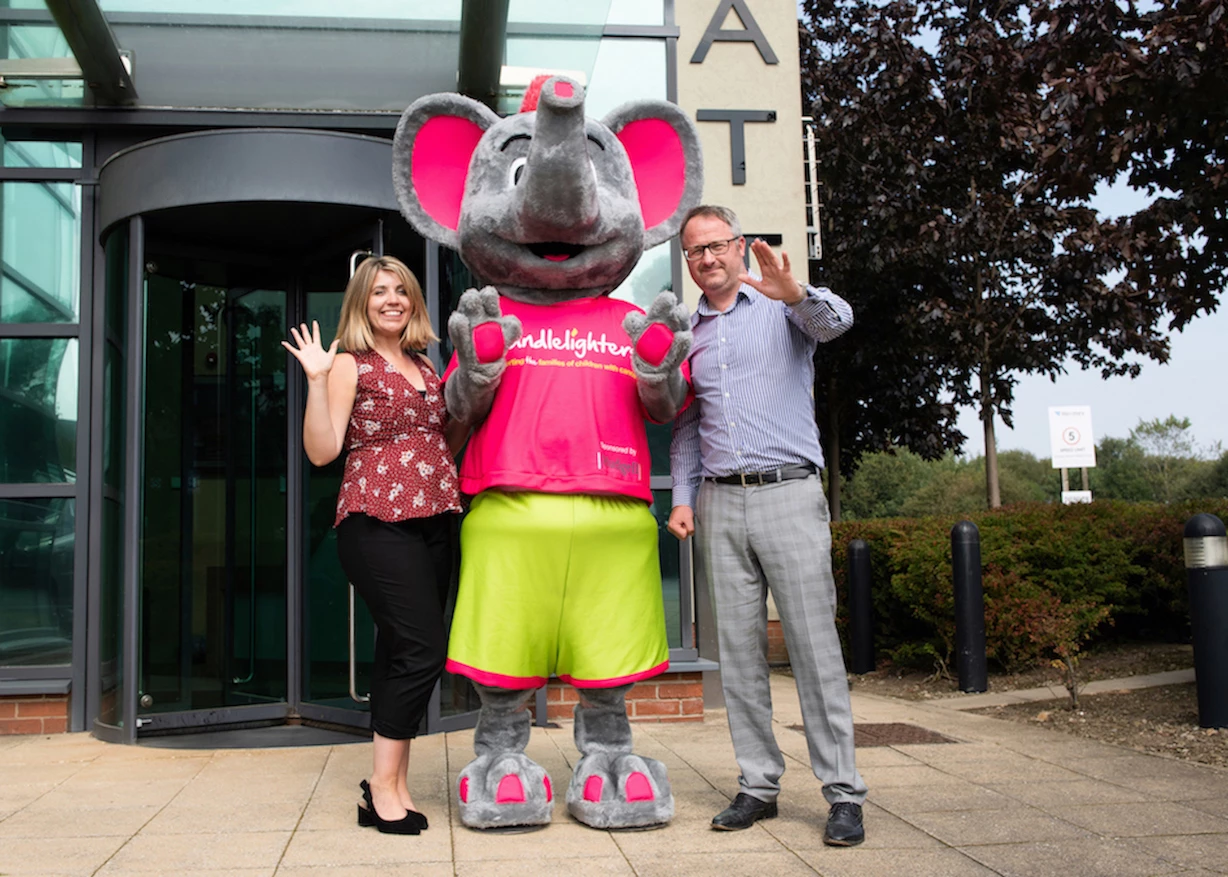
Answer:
(663, 146)
(431, 152)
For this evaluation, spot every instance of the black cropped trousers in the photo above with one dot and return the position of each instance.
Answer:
(402, 571)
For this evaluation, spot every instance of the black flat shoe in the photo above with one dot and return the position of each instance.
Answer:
(844, 825)
(364, 813)
(744, 812)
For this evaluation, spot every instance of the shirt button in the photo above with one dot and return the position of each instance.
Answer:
(726, 395)
(724, 366)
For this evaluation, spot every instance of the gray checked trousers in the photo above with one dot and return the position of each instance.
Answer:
(778, 537)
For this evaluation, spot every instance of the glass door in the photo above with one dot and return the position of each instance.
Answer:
(338, 635)
(213, 575)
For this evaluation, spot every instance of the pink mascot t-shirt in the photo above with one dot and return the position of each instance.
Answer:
(567, 417)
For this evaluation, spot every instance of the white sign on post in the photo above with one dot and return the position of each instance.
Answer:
(1070, 437)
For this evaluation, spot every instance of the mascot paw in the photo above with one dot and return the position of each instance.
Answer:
(620, 790)
(504, 790)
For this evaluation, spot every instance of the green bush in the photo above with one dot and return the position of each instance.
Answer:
(1055, 578)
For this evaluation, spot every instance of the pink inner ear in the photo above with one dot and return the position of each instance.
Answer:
(440, 165)
(659, 164)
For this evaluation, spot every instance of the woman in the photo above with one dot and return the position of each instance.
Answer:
(381, 402)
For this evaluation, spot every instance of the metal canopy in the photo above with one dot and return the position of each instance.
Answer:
(93, 45)
(483, 35)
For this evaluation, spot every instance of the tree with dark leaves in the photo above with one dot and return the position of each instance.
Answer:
(965, 242)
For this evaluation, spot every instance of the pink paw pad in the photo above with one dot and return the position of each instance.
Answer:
(488, 341)
(654, 343)
(592, 789)
(638, 788)
(464, 790)
(510, 791)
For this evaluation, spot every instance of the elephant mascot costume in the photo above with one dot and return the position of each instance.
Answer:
(550, 211)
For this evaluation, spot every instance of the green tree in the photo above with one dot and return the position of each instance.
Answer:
(883, 483)
(1120, 471)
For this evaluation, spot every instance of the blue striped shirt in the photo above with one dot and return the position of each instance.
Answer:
(752, 369)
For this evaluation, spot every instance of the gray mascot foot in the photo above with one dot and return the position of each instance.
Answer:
(620, 790)
(504, 790)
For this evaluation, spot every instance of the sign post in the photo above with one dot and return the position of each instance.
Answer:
(1073, 447)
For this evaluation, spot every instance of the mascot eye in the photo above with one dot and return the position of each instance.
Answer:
(516, 171)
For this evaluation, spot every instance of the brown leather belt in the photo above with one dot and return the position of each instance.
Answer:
(754, 479)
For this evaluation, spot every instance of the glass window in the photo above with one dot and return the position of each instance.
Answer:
(40, 153)
(398, 10)
(111, 616)
(671, 578)
(636, 12)
(40, 250)
(113, 394)
(625, 70)
(591, 12)
(38, 410)
(614, 70)
(36, 581)
(39, 40)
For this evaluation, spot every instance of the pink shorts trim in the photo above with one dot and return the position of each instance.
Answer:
(494, 680)
(621, 680)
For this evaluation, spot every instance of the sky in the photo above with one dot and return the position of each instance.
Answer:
(1193, 383)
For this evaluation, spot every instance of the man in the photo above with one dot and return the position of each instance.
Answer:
(745, 459)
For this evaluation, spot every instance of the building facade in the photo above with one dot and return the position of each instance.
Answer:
(181, 181)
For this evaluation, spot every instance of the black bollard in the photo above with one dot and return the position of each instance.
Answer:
(1206, 572)
(861, 608)
(970, 661)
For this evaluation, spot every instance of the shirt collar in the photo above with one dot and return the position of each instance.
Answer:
(745, 292)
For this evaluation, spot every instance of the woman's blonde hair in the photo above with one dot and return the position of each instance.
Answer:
(354, 328)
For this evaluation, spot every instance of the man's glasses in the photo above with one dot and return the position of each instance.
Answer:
(717, 248)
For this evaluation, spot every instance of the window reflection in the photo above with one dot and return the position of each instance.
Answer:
(40, 246)
(671, 585)
(36, 581)
(39, 153)
(21, 41)
(398, 10)
(38, 410)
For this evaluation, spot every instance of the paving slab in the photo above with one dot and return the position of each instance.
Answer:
(1003, 799)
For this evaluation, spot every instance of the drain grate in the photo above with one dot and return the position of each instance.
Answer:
(891, 734)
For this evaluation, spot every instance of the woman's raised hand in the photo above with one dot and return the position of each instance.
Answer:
(307, 349)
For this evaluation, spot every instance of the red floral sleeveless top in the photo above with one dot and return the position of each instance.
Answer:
(398, 465)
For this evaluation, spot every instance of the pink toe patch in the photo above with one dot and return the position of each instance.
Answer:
(638, 787)
(488, 341)
(510, 791)
(654, 343)
(549, 790)
(592, 789)
(464, 790)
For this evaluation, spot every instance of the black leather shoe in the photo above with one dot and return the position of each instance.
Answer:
(367, 817)
(844, 826)
(744, 812)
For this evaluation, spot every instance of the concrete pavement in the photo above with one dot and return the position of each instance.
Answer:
(1002, 798)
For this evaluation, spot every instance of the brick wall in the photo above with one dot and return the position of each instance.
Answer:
(670, 697)
(34, 714)
(778, 654)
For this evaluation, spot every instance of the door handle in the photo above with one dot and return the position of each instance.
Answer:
(354, 695)
(355, 257)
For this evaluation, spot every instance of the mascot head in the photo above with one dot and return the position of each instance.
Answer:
(546, 205)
